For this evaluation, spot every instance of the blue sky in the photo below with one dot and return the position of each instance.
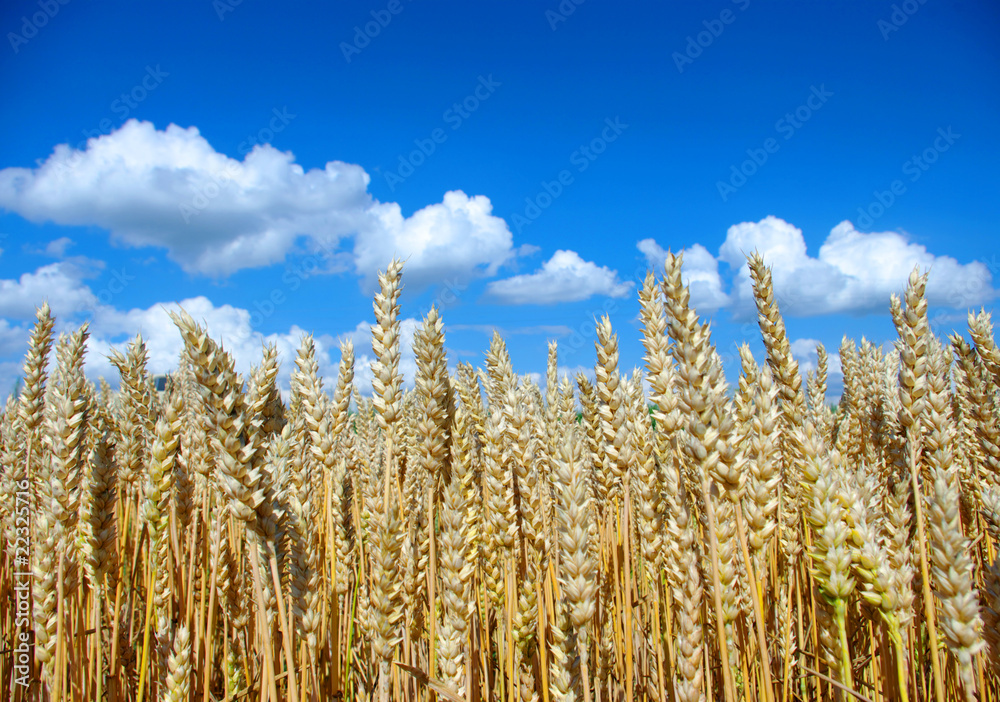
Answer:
(259, 162)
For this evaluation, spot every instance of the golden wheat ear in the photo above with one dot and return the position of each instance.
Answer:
(630, 536)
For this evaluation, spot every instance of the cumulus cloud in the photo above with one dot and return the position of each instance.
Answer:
(804, 351)
(456, 238)
(61, 284)
(215, 215)
(572, 371)
(228, 325)
(563, 278)
(361, 337)
(113, 328)
(13, 340)
(700, 271)
(853, 272)
(57, 247)
(654, 253)
(171, 189)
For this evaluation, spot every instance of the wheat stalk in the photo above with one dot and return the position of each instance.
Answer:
(636, 536)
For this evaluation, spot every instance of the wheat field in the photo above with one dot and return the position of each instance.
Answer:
(646, 535)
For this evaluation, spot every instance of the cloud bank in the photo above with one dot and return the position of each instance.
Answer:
(565, 277)
(215, 215)
(853, 273)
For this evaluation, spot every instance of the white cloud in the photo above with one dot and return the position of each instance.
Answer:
(57, 247)
(563, 278)
(700, 271)
(456, 238)
(654, 253)
(58, 283)
(804, 351)
(572, 371)
(10, 377)
(215, 215)
(171, 189)
(361, 337)
(13, 340)
(112, 328)
(854, 272)
(563, 373)
(230, 326)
